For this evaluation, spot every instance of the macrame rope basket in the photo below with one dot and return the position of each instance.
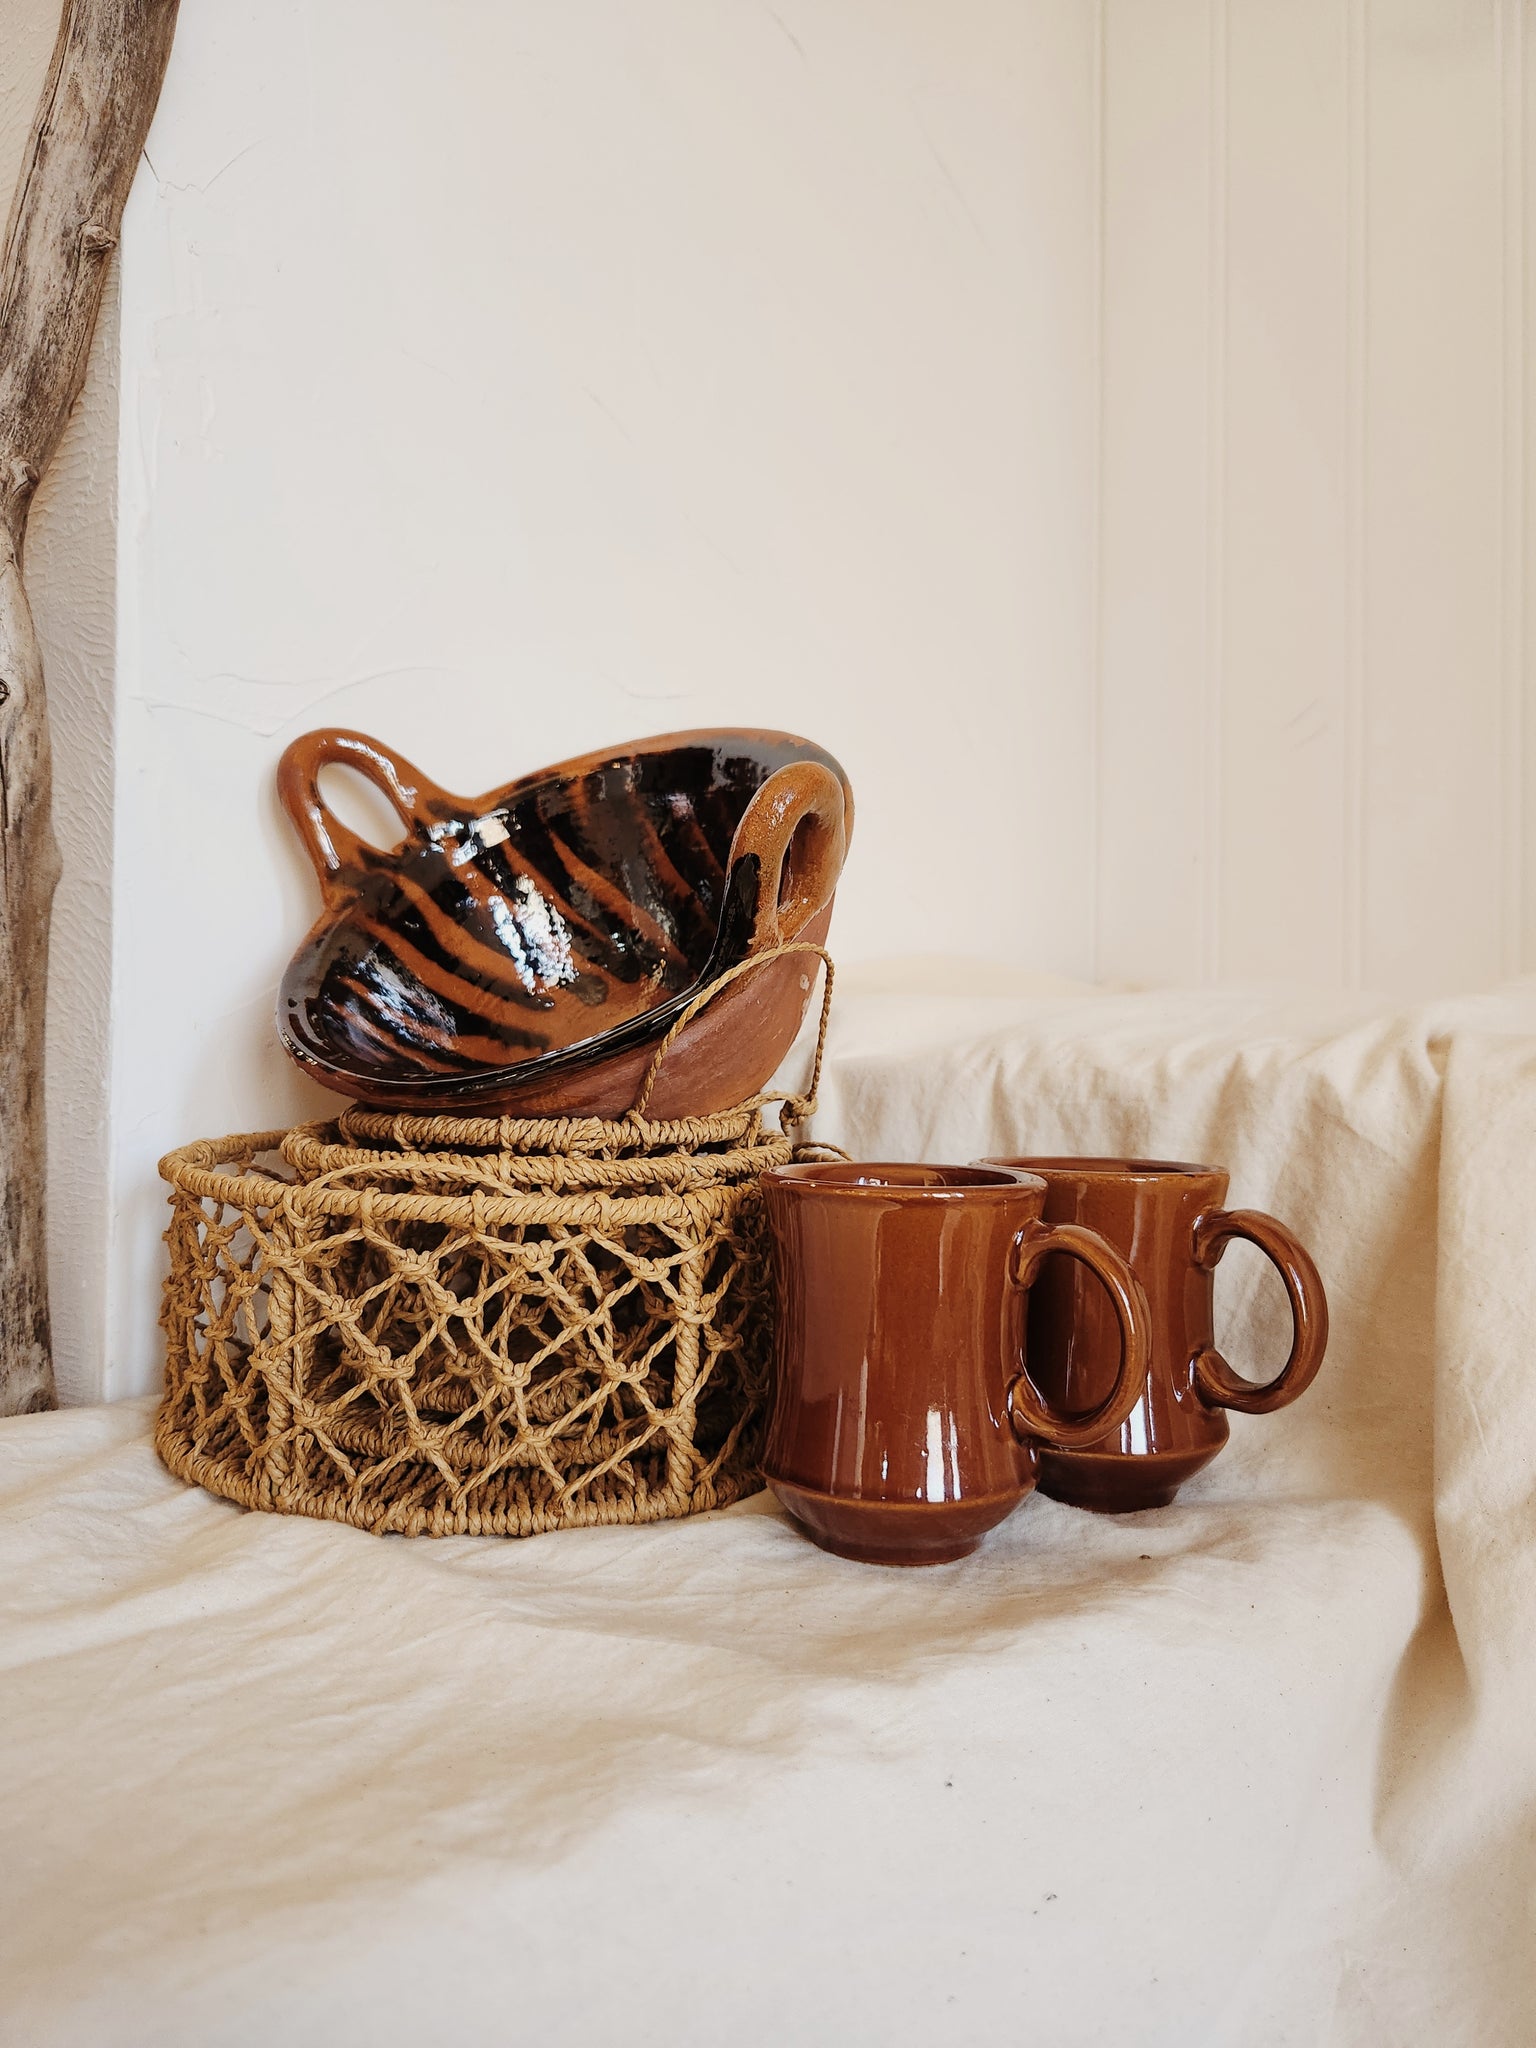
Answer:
(493, 1326)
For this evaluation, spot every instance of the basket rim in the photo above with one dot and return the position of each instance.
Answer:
(320, 1162)
(535, 1137)
(204, 1170)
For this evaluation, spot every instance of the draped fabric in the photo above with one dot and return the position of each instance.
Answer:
(1257, 1768)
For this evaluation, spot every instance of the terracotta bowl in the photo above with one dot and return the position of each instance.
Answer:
(524, 952)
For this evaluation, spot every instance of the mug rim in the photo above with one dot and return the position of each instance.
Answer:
(978, 1179)
(1107, 1166)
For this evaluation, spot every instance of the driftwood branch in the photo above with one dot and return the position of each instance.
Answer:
(91, 123)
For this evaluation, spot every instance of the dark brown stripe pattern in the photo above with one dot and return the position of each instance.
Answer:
(581, 908)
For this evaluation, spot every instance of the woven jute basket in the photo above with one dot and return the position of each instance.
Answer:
(497, 1326)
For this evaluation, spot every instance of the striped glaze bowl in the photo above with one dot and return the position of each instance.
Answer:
(524, 952)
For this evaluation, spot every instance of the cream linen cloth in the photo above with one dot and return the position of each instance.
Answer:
(1257, 1768)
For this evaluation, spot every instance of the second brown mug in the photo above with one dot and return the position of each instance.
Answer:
(1169, 1222)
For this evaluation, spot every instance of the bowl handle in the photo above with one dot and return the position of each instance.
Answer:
(795, 827)
(331, 845)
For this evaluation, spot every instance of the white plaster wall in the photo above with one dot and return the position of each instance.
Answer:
(511, 380)
(1104, 422)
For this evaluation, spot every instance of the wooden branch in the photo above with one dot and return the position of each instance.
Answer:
(91, 122)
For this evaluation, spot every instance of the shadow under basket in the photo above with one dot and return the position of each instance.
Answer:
(439, 1326)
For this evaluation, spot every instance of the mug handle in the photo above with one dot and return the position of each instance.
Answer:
(331, 845)
(1214, 1378)
(796, 827)
(1027, 1413)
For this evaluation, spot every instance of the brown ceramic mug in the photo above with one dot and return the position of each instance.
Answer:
(1169, 1222)
(904, 1425)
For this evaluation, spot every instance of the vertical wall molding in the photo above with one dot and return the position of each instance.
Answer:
(1356, 65)
(1510, 52)
(1212, 749)
(1096, 571)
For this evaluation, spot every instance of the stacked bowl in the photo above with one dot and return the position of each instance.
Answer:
(526, 952)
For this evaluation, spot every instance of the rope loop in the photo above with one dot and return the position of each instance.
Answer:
(797, 1109)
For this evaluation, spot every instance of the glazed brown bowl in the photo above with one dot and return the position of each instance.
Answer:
(525, 951)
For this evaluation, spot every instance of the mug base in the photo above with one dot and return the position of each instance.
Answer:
(894, 1532)
(1119, 1482)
